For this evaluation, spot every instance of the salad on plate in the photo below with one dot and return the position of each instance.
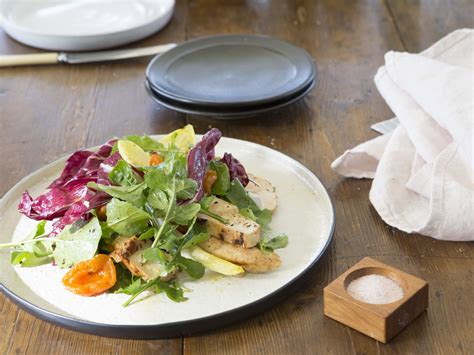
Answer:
(137, 213)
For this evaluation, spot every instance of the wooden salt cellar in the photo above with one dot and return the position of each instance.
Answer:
(379, 321)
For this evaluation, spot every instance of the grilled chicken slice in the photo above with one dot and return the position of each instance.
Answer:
(262, 192)
(129, 251)
(240, 231)
(252, 260)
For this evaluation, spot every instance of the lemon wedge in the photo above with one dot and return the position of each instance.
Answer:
(182, 138)
(133, 154)
(214, 263)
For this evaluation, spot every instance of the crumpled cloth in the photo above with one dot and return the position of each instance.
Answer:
(423, 169)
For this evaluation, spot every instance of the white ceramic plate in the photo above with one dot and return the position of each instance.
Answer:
(80, 25)
(304, 213)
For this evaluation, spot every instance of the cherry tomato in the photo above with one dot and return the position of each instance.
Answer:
(156, 159)
(91, 277)
(209, 180)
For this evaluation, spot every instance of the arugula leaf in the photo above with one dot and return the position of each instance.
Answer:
(172, 290)
(191, 267)
(146, 143)
(157, 199)
(148, 234)
(114, 149)
(124, 280)
(170, 240)
(262, 217)
(196, 239)
(72, 248)
(126, 219)
(248, 213)
(157, 179)
(29, 259)
(40, 229)
(107, 232)
(168, 213)
(205, 203)
(278, 242)
(239, 197)
(155, 254)
(222, 184)
(186, 188)
(184, 214)
(128, 193)
(133, 287)
(122, 174)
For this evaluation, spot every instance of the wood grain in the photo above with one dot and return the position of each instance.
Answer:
(49, 111)
(423, 22)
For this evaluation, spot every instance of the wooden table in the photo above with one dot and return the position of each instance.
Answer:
(46, 112)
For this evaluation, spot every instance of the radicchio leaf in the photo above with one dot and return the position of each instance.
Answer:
(73, 164)
(198, 159)
(55, 202)
(106, 167)
(68, 197)
(236, 169)
(79, 210)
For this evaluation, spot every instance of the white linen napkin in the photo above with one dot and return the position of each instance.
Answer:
(423, 169)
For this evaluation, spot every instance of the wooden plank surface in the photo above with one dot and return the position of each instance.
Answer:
(49, 111)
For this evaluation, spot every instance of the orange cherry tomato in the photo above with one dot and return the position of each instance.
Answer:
(209, 180)
(156, 159)
(91, 277)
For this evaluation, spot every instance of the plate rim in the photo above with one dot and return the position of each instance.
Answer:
(9, 24)
(179, 328)
(313, 72)
(242, 114)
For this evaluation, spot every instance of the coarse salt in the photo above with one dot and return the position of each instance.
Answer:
(375, 289)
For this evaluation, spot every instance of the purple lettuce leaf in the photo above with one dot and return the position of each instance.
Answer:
(236, 169)
(80, 210)
(106, 167)
(199, 157)
(68, 197)
(73, 164)
(53, 203)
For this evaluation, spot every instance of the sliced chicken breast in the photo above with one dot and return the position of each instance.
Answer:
(129, 251)
(262, 192)
(252, 260)
(240, 231)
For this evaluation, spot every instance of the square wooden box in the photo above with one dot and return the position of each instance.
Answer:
(379, 321)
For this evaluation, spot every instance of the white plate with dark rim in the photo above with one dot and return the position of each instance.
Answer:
(304, 213)
(82, 25)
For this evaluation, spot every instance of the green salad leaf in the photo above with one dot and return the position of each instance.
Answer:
(72, 248)
(192, 268)
(174, 291)
(126, 219)
(239, 197)
(270, 244)
(157, 199)
(123, 175)
(146, 143)
(222, 183)
(182, 215)
(129, 193)
(185, 188)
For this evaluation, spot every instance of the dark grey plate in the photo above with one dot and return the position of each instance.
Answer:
(231, 70)
(226, 112)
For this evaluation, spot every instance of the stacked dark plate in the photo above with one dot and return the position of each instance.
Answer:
(230, 76)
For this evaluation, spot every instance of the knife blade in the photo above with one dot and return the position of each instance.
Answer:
(84, 57)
